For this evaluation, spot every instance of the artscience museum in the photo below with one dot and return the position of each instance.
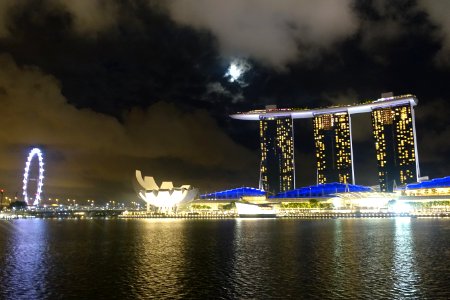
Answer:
(165, 198)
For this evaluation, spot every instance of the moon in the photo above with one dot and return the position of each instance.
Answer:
(236, 70)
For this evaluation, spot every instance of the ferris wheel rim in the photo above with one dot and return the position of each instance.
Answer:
(40, 182)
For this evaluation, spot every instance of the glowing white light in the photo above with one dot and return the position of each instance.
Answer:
(253, 209)
(401, 207)
(235, 72)
(236, 69)
(337, 202)
(40, 182)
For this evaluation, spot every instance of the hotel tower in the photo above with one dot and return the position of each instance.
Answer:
(395, 145)
(333, 148)
(277, 172)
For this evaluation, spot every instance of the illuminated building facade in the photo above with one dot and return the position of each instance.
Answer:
(395, 145)
(333, 148)
(430, 188)
(322, 190)
(277, 172)
(235, 194)
(393, 129)
(165, 198)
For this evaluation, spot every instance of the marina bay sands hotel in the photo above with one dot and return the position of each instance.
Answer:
(394, 133)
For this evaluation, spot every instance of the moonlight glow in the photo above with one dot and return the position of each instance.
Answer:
(40, 180)
(236, 70)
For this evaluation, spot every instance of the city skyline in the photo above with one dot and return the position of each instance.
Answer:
(105, 88)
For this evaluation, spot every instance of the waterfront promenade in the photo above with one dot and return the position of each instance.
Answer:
(89, 213)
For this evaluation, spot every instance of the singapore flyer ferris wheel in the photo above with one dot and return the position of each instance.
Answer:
(35, 152)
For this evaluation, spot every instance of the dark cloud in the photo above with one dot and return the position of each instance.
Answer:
(5, 7)
(216, 90)
(141, 59)
(433, 135)
(437, 12)
(89, 17)
(89, 150)
(274, 33)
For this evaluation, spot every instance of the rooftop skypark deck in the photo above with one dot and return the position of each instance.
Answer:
(298, 113)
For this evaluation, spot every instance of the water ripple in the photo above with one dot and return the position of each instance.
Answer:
(225, 259)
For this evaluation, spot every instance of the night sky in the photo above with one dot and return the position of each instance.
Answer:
(108, 87)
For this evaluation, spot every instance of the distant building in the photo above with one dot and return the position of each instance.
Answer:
(165, 198)
(235, 194)
(277, 172)
(223, 200)
(395, 145)
(333, 148)
(322, 191)
(430, 188)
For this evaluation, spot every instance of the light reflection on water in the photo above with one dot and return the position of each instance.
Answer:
(25, 260)
(406, 279)
(398, 258)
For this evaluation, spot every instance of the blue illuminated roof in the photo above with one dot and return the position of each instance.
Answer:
(234, 193)
(322, 190)
(433, 183)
